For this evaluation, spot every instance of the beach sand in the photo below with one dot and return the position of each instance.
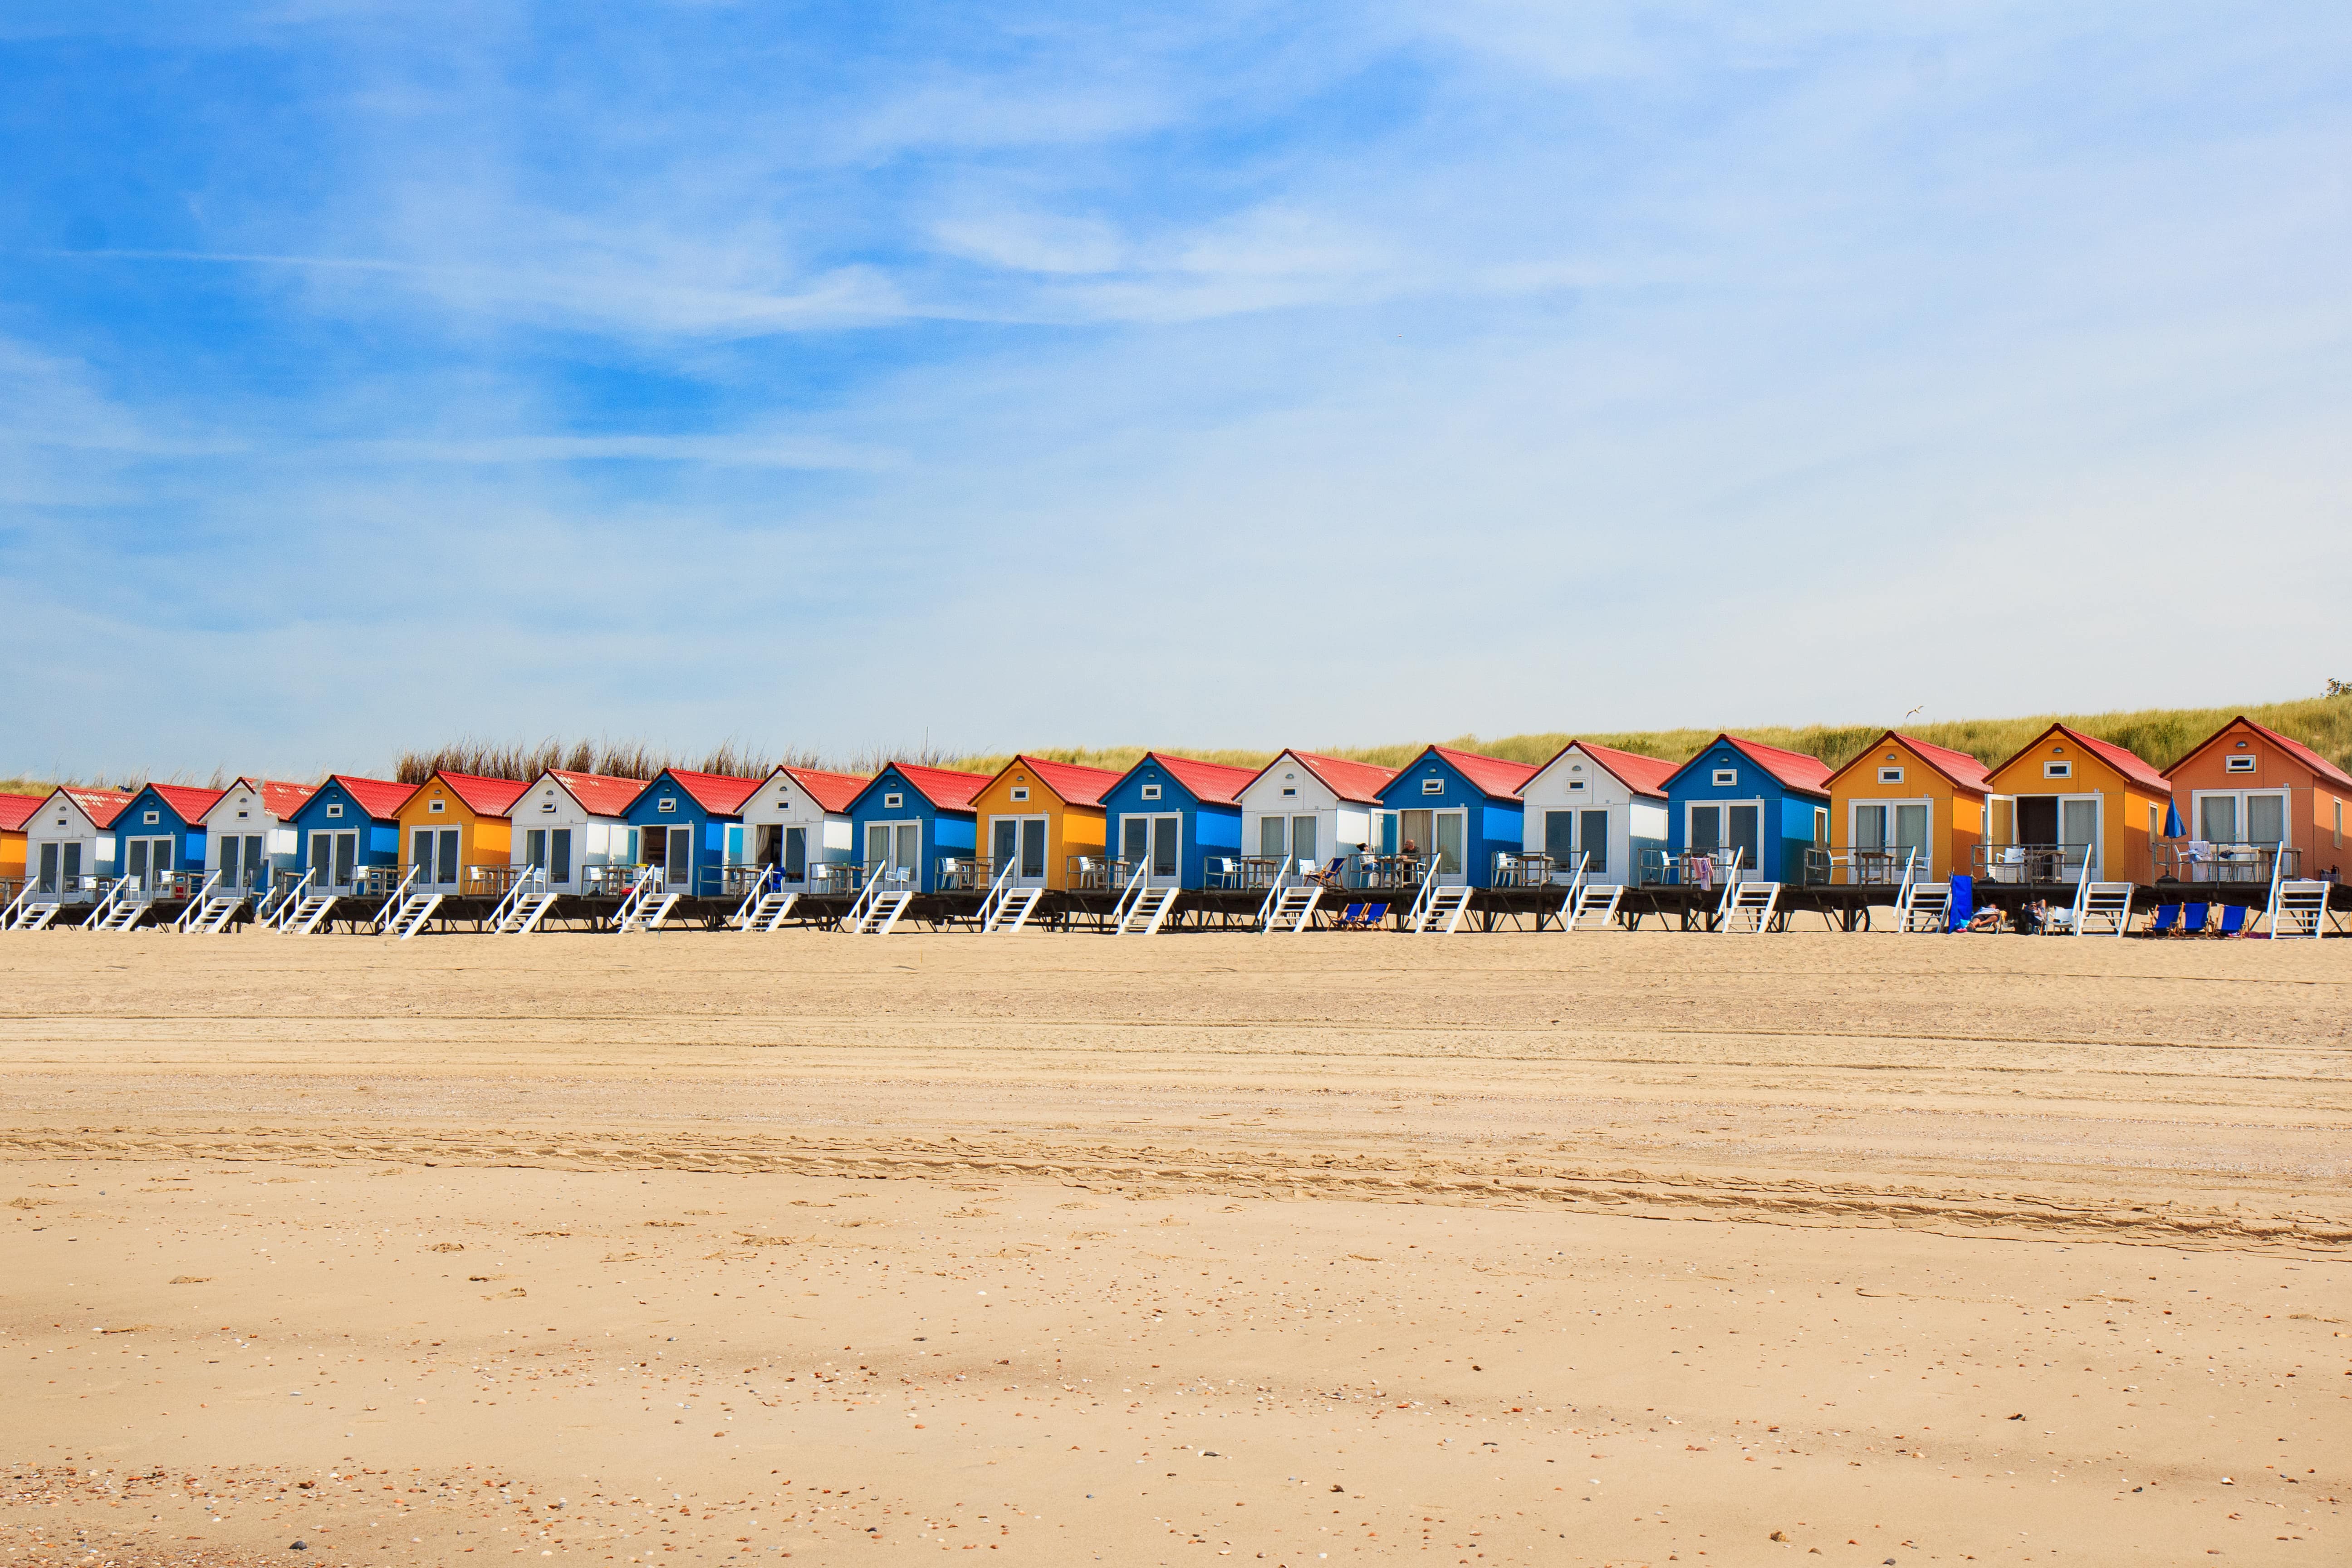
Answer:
(1504, 1249)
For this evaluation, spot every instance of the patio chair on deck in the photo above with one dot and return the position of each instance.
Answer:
(1221, 871)
(1329, 876)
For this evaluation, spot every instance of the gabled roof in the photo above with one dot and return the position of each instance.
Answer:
(100, 806)
(1358, 781)
(380, 798)
(1211, 783)
(483, 796)
(1643, 775)
(190, 801)
(722, 794)
(16, 810)
(2292, 748)
(1492, 775)
(1794, 770)
(277, 797)
(599, 795)
(1960, 768)
(1075, 784)
(2124, 762)
(947, 789)
(832, 792)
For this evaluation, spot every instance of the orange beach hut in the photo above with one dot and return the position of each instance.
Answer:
(1900, 794)
(2248, 788)
(1042, 815)
(2067, 797)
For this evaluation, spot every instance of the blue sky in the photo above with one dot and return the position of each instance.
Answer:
(844, 376)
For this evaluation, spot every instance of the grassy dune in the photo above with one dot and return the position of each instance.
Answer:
(2162, 735)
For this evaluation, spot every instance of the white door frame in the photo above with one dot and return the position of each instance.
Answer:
(1763, 823)
(2198, 797)
(891, 824)
(1927, 851)
(414, 857)
(323, 879)
(1461, 874)
(147, 865)
(1045, 850)
(1153, 820)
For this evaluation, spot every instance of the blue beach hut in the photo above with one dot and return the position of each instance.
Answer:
(349, 824)
(1169, 815)
(1463, 807)
(1769, 804)
(907, 816)
(691, 825)
(162, 831)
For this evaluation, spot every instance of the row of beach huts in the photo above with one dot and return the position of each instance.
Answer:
(2248, 811)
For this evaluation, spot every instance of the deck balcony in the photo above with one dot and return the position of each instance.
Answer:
(2200, 860)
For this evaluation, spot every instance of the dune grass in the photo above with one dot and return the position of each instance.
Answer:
(2161, 735)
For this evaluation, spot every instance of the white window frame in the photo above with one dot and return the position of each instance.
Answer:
(2198, 797)
(1726, 778)
(1854, 807)
(1148, 792)
(1433, 786)
(2241, 762)
(1890, 775)
(1763, 826)
(2054, 768)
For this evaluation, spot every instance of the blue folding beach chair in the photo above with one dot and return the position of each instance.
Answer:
(2192, 919)
(2168, 919)
(1364, 917)
(2234, 917)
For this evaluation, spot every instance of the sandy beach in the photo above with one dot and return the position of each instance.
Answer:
(1612, 1249)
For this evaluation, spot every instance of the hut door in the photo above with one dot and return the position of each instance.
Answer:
(795, 862)
(48, 868)
(1153, 845)
(1022, 841)
(677, 860)
(559, 862)
(335, 859)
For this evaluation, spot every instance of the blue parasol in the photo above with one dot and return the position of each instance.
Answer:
(2173, 826)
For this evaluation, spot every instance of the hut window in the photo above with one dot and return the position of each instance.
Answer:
(438, 805)
(1575, 784)
(243, 815)
(1890, 775)
(1726, 777)
(547, 807)
(1151, 791)
(1433, 786)
(2339, 825)
(893, 802)
(2228, 765)
(1021, 794)
(2057, 769)
(152, 816)
(1291, 791)
(336, 809)
(669, 802)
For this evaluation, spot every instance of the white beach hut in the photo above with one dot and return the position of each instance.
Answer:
(1303, 806)
(249, 834)
(70, 842)
(573, 826)
(799, 817)
(1597, 801)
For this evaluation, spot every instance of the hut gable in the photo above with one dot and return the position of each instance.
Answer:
(832, 792)
(720, 795)
(1071, 783)
(380, 798)
(1791, 770)
(1211, 783)
(2321, 769)
(482, 796)
(2128, 765)
(597, 795)
(192, 803)
(1493, 777)
(1358, 784)
(1638, 773)
(947, 789)
(101, 806)
(279, 798)
(1958, 769)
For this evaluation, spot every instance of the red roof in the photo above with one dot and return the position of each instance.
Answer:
(1358, 782)
(947, 788)
(100, 806)
(16, 810)
(1643, 775)
(720, 794)
(277, 797)
(599, 795)
(1958, 766)
(1212, 783)
(380, 798)
(1077, 785)
(2124, 762)
(2295, 749)
(1797, 769)
(832, 792)
(483, 796)
(190, 801)
(1491, 774)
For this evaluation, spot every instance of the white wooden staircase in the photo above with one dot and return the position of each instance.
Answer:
(124, 906)
(1592, 907)
(410, 918)
(646, 905)
(29, 910)
(1142, 909)
(307, 912)
(2298, 909)
(1288, 906)
(1747, 907)
(1437, 908)
(1006, 906)
(765, 907)
(212, 917)
(878, 905)
(525, 905)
